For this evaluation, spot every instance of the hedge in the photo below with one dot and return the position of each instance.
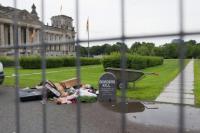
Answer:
(71, 61)
(133, 61)
(113, 60)
(7, 61)
(34, 62)
(90, 61)
(30, 62)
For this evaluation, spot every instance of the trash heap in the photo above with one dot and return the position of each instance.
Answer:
(85, 93)
(64, 92)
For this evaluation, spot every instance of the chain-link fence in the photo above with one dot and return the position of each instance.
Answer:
(42, 45)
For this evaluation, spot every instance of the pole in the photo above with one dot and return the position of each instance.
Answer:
(88, 43)
(88, 32)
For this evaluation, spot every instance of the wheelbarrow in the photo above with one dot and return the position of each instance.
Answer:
(129, 75)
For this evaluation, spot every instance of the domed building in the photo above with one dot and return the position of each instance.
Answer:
(29, 29)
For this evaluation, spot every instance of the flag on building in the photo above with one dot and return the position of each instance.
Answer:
(87, 25)
(61, 9)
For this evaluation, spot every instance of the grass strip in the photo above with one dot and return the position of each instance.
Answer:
(197, 82)
(149, 87)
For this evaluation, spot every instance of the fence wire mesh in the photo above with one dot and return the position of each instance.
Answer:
(123, 38)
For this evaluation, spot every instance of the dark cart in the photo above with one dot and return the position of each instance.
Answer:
(130, 75)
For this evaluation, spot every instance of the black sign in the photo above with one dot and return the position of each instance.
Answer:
(107, 87)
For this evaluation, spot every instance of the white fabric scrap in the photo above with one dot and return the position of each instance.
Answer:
(84, 92)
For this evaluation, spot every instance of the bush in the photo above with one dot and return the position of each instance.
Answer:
(69, 61)
(7, 61)
(34, 62)
(90, 61)
(153, 61)
(133, 61)
(111, 61)
(54, 62)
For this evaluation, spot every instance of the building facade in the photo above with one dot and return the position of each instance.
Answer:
(29, 29)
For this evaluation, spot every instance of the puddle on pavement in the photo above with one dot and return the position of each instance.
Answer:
(130, 107)
(166, 115)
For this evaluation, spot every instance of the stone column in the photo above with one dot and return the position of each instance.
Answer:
(19, 35)
(27, 36)
(56, 39)
(2, 35)
(48, 37)
(57, 46)
(63, 40)
(69, 48)
(38, 36)
(34, 36)
(73, 47)
(11, 35)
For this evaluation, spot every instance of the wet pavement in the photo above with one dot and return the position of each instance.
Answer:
(171, 93)
(167, 115)
(131, 107)
(154, 114)
(95, 117)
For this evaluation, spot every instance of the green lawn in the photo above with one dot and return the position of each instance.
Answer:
(197, 81)
(89, 74)
(147, 88)
(151, 86)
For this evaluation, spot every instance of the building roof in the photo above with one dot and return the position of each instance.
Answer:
(63, 16)
(22, 15)
(26, 17)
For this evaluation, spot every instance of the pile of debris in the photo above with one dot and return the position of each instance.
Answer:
(64, 92)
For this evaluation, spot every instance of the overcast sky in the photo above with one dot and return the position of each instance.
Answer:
(142, 16)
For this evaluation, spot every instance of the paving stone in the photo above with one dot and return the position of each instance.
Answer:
(175, 100)
(171, 93)
(178, 91)
(176, 95)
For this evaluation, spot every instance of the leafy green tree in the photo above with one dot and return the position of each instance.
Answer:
(170, 50)
(143, 48)
(96, 50)
(107, 49)
(83, 51)
(135, 46)
(159, 51)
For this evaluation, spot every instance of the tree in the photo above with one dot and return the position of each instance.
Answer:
(107, 49)
(159, 51)
(143, 48)
(96, 50)
(83, 51)
(135, 46)
(170, 50)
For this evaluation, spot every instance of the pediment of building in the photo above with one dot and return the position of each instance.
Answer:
(25, 16)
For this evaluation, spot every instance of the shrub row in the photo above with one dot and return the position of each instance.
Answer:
(7, 61)
(71, 61)
(55, 62)
(113, 60)
(133, 61)
(36, 62)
